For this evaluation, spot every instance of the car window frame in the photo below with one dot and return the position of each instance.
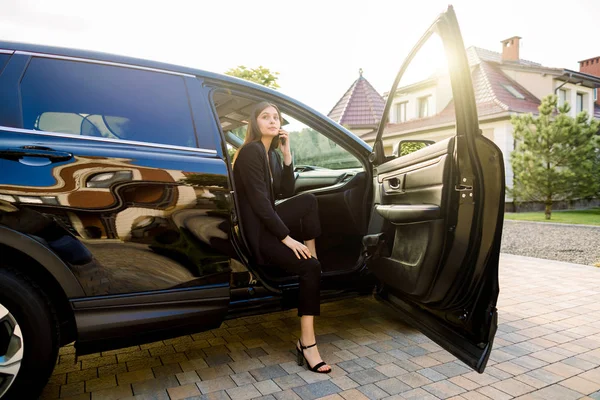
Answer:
(184, 76)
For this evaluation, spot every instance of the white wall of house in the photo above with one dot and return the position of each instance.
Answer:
(536, 83)
(438, 95)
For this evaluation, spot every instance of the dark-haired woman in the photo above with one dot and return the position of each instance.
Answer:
(284, 235)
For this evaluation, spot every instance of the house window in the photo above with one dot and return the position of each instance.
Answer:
(562, 97)
(595, 94)
(401, 112)
(514, 92)
(580, 107)
(424, 106)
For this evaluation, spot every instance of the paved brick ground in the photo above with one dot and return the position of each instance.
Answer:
(547, 347)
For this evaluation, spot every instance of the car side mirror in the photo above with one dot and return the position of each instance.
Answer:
(405, 147)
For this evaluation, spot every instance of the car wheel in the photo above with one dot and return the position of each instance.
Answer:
(28, 337)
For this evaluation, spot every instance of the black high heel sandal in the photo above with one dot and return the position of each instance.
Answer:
(301, 358)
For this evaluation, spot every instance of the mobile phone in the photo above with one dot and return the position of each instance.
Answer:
(282, 139)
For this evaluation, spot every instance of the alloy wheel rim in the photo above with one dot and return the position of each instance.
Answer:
(11, 349)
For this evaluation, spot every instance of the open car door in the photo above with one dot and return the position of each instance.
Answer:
(435, 228)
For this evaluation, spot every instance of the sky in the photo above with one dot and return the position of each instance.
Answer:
(317, 46)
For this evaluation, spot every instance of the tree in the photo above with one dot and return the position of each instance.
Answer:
(554, 156)
(261, 75)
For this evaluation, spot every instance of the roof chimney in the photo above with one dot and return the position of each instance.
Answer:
(591, 66)
(510, 49)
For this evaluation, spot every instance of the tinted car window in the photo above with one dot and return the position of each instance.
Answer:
(3, 59)
(105, 101)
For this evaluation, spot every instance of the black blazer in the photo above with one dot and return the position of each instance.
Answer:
(256, 195)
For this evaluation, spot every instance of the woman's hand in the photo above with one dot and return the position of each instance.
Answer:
(300, 250)
(284, 139)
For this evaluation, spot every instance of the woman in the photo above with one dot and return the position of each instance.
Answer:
(270, 231)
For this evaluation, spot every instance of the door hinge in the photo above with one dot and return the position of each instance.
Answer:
(465, 188)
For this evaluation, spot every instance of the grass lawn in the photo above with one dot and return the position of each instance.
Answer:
(586, 217)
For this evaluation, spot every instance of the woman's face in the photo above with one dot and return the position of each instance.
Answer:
(268, 121)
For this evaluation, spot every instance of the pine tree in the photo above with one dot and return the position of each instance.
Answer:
(555, 156)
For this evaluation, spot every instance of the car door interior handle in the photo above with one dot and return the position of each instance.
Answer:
(34, 151)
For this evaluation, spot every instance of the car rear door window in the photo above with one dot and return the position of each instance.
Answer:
(3, 59)
(88, 99)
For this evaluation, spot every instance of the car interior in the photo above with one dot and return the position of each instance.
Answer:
(343, 194)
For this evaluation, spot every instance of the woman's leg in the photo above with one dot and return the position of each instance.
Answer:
(307, 337)
(301, 215)
(311, 247)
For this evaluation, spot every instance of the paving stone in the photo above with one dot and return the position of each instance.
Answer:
(68, 367)
(366, 362)
(220, 395)
(350, 366)
(143, 363)
(414, 351)
(493, 393)
(316, 390)
(312, 377)
(464, 383)
(130, 356)
(290, 381)
(353, 394)
(581, 385)
(270, 372)
(173, 358)
(214, 385)
(267, 387)
(393, 386)
(154, 385)
(372, 391)
(194, 364)
(513, 387)
(391, 370)
(72, 389)
(414, 379)
(105, 382)
(292, 367)
(556, 392)
(344, 382)
(112, 393)
(286, 395)
(82, 376)
(135, 376)
(113, 369)
(159, 351)
(187, 377)
(256, 352)
(451, 369)
(432, 374)
(183, 392)
(82, 396)
(243, 378)
(243, 392)
(166, 370)
(418, 394)
(246, 365)
(367, 376)
(444, 389)
(216, 372)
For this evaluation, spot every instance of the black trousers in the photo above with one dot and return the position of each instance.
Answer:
(301, 215)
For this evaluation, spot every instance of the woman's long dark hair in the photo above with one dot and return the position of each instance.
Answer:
(253, 133)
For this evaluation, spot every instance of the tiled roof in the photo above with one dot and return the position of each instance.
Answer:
(360, 106)
(491, 97)
(477, 54)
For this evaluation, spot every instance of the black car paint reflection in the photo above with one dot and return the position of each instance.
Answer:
(122, 227)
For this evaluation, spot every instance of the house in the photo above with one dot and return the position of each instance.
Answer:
(360, 108)
(504, 85)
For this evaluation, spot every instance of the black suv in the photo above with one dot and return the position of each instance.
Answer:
(118, 220)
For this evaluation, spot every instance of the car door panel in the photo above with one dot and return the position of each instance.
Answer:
(437, 218)
(142, 225)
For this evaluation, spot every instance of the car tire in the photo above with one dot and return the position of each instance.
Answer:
(29, 336)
